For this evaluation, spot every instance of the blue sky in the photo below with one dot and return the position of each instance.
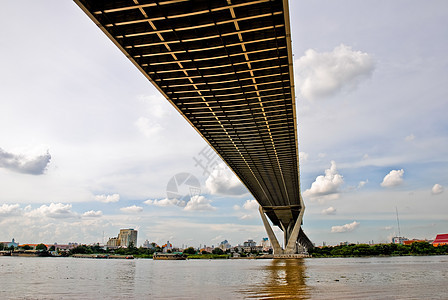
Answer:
(88, 146)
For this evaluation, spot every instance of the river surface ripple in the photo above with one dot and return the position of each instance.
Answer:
(423, 277)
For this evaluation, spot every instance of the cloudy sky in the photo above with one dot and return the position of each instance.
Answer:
(88, 146)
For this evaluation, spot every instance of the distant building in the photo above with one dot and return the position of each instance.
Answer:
(149, 245)
(399, 240)
(66, 247)
(249, 243)
(224, 245)
(113, 242)
(206, 249)
(247, 247)
(167, 246)
(9, 244)
(410, 242)
(125, 238)
(265, 244)
(441, 239)
(33, 246)
(146, 244)
(128, 237)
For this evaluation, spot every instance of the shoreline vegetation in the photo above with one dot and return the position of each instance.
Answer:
(364, 250)
(350, 250)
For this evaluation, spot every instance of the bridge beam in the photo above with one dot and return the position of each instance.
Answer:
(227, 67)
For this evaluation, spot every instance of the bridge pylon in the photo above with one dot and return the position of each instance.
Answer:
(295, 240)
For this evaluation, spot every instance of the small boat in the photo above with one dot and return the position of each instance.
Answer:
(27, 253)
(168, 256)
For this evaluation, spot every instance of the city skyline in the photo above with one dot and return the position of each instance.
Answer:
(88, 145)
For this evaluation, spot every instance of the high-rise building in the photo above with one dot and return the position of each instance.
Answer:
(113, 242)
(249, 243)
(265, 244)
(224, 245)
(124, 239)
(128, 237)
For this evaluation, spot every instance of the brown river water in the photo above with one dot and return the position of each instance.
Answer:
(423, 277)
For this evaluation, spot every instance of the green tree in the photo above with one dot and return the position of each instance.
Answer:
(26, 247)
(189, 250)
(422, 248)
(96, 249)
(82, 249)
(217, 251)
(361, 250)
(441, 249)
(41, 247)
(121, 251)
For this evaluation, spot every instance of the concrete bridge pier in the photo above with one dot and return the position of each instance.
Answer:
(297, 243)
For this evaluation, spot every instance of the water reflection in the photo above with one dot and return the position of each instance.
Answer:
(281, 278)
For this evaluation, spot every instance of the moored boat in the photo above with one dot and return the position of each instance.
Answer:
(168, 256)
(28, 253)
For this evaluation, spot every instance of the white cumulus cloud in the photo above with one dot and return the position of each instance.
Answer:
(108, 198)
(322, 74)
(394, 178)
(251, 204)
(166, 202)
(250, 209)
(132, 209)
(327, 184)
(222, 181)
(200, 203)
(10, 210)
(329, 211)
(93, 214)
(345, 228)
(54, 210)
(437, 189)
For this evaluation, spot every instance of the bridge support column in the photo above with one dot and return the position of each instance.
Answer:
(295, 239)
(272, 238)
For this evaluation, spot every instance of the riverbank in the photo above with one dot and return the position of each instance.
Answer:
(365, 250)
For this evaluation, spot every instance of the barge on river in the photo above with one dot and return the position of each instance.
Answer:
(168, 256)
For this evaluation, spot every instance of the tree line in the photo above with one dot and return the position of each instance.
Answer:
(416, 248)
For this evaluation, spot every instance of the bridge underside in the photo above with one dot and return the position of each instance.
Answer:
(226, 66)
